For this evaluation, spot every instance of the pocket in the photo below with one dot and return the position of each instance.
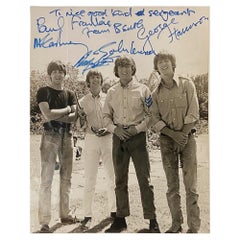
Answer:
(181, 100)
(163, 104)
(136, 103)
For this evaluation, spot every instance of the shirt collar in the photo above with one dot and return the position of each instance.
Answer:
(175, 79)
(128, 85)
(95, 97)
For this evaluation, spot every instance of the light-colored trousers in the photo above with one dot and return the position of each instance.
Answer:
(97, 148)
(171, 167)
(52, 145)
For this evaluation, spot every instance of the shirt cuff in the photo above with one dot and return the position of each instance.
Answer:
(159, 126)
(190, 119)
(142, 127)
(111, 128)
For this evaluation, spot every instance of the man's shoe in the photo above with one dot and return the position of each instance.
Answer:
(45, 229)
(153, 226)
(118, 225)
(69, 220)
(191, 231)
(86, 222)
(174, 229)
(113, 215)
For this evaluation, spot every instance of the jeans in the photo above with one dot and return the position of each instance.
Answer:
(52, 145)
(135, 147)
(97, 148)
(171, 168)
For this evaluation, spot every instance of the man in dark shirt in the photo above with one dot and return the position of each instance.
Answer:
(58, 108)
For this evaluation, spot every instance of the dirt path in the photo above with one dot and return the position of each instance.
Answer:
(135, 221)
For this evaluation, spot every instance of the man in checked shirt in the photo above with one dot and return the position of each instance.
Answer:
(126, 114)
(175, 112)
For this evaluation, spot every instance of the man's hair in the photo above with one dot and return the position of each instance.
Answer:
(124, 61)
(56, 65)
(93, 73)
(164, 55)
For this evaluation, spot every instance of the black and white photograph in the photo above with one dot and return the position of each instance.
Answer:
(119, 133)
(119, 119)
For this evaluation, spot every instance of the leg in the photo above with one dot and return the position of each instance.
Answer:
(106, 149)
(139, 153)
(121, 164)
(66, 161)
(190, 181)
(48, 148)
(170, 166)
(91, 154)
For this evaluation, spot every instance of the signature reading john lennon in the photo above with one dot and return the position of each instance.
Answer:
(107, 53)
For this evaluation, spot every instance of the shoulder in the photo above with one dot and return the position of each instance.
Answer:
(43, 89)
(184, 79)
(142, 87)
(113, 89)
(85, 99)
(69, 92)
(187, 83)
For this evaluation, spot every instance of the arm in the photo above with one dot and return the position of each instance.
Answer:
(81, 115)
(53, 114)
(108, 120)
(160, 126)
(71, 117)
(147, 106)
(192, 115)
(156, 122)
(108, 114)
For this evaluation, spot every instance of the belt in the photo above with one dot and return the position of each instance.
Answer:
(124, 126)
(60, 130)
(189, 134)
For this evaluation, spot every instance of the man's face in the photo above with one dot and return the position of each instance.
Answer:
(57, 77)
(125, 74)
(95, 84)
(165, 67)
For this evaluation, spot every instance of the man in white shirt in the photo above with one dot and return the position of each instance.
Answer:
(126, 115)
(98, 145)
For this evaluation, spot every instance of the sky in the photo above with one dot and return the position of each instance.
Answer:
(183, 31)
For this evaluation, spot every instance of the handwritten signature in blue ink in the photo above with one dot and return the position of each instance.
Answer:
(176, 34)
(47, 41)
(143, 34)
(42, 27)
(107, 53)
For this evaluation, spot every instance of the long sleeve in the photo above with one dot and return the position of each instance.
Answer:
(193, 106)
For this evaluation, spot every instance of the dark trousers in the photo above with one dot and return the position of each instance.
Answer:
(136, 148)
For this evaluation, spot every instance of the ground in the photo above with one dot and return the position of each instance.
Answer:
(101, 219)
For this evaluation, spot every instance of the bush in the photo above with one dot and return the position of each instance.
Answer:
(73, 83)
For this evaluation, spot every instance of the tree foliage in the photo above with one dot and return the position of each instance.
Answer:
(75, 83)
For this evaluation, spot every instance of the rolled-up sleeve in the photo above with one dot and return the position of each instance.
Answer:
(108, 114)
(147, 105)
(156, 122)
(193, 106)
